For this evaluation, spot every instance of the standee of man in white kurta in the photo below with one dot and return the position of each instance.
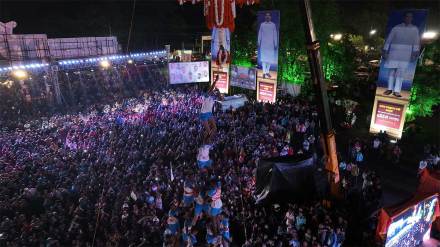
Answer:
(401, 48)
(268, 44)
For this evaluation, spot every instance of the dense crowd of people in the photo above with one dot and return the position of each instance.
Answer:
(113, 169)
(127, 174)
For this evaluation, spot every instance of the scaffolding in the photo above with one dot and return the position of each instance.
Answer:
(15, 48)
(66, 48)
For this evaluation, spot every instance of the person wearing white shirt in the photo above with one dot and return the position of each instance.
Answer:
(401, 47)
(268, 44)
(206, 116)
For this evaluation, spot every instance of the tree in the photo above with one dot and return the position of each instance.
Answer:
(425, 91)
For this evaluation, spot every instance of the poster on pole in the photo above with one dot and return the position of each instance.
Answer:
(397, 68)
(243, 77)
(267, 60)
(221, 57)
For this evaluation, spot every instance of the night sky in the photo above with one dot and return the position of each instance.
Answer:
(157, 22)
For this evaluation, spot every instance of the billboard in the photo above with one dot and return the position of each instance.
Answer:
(188, 72)
(398, 64)
(222, 83)
(266, 92)
(388, 114)
(413, 225)
(243, 77)
(267, 60)
(62, 48)
(221, 56)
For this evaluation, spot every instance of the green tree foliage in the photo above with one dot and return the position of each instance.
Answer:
(425, 92)
(338, 57)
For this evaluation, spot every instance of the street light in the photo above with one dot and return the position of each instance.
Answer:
(20, 74)
(429, 35)
(104, 64)
(373, 32)
(336, 36)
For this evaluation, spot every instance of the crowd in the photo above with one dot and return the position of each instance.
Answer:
(127, 174)
(79, 88)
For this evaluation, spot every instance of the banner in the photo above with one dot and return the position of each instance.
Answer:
(266, 91)
(268, 40)
(221, 57)
(398, 64)
(222, 83)
(388, 115)
(243, 77)
(188, 72)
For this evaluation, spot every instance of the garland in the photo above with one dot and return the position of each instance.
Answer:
(221, 60)
(217, 21)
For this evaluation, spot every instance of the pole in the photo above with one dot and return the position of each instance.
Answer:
(55, 83)
(320, 86)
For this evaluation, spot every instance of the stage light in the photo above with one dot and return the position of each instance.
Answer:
(373, 32)
(429, 35)
(20, 74)
(105, 64)
(130, 61)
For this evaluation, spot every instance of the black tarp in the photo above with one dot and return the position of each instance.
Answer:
(285, 179)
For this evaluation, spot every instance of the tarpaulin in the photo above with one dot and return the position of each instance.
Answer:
(294, 177)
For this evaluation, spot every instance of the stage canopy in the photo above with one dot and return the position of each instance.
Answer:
(285, 178)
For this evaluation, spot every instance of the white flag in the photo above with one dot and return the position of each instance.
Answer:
(171, 172)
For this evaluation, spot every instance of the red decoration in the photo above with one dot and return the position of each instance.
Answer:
(247, 2)
(220, 13)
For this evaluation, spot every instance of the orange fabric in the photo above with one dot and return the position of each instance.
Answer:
(228, 18)
(383, 222)
(247, 2)
(429, 182)
(387, 214)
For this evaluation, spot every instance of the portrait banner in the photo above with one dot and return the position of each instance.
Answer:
(221, 56)
(267, 44)
(222, 83)
(243, 77)
(397, 68)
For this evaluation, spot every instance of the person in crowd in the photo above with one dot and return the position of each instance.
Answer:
(132, 172)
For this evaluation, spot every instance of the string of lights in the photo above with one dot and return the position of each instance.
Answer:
(84, 61)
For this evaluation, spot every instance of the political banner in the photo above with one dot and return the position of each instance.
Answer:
(243, 77)
(266, 91)
(267, 44)
(222, 83)
(397, 68)
(388, 114)
(221, 56)
(188, 72)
